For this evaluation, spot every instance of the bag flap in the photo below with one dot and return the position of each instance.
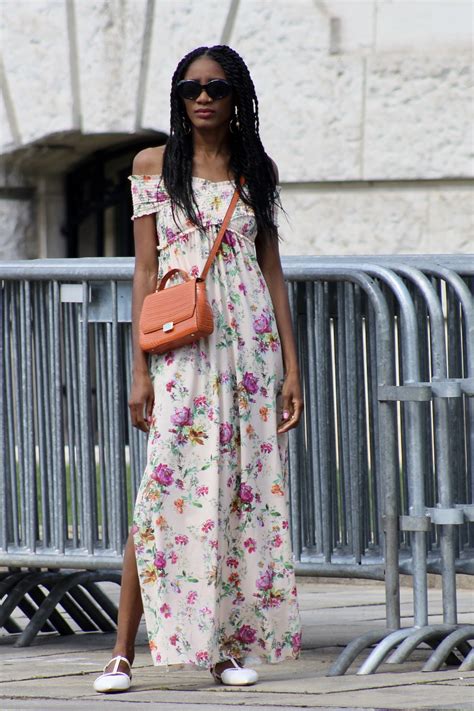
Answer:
(174, 303)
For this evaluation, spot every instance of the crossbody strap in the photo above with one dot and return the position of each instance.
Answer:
(222, 230)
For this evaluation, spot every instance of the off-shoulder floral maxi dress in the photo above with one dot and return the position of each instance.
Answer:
(210, 523)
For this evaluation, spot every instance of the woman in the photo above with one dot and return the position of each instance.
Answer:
(209, 558)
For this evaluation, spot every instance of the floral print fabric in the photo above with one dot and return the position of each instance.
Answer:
(210, 523)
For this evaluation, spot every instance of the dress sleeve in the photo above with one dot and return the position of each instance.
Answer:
(147, 194)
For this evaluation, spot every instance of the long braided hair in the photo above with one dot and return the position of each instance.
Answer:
(248, 157)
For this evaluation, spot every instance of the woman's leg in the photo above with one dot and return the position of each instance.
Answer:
(130, 608)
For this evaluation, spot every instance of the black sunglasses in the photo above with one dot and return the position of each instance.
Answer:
(215, 89)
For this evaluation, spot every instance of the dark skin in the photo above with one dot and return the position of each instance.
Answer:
(211, 161)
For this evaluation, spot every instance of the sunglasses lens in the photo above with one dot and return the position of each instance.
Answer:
(215, 89)
(218, 89)
(188, 89)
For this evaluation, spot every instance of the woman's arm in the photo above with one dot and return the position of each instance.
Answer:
(141, 397)
(268, 257)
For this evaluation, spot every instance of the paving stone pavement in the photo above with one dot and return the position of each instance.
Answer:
(57, 672)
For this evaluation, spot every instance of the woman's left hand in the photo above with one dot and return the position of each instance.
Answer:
(292, 402)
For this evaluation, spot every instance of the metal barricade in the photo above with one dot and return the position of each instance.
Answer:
(381, 467)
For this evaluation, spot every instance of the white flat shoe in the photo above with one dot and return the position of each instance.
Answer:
(236, 675)
(114, 681)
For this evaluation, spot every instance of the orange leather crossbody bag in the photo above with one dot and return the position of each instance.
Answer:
(180, 314)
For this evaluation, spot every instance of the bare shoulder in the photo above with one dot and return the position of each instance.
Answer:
(275, 170)
(149, 161)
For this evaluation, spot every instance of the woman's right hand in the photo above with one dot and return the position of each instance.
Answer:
(141, 401)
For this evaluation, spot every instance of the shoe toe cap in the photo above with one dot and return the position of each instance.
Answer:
(108, 683)
(239, 677)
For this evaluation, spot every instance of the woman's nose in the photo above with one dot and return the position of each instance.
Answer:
(203, 97)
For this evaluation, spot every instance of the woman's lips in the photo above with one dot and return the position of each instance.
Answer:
(204, 113)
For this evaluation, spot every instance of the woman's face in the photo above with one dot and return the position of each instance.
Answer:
(204, 112)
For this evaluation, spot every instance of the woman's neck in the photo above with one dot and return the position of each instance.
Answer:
(211, 154)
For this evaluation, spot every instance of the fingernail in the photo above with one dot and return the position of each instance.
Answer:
(286, 414)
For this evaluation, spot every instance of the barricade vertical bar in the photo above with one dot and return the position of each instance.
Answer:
(344, 439)
(27, 423)
(41, 404)
(293, 451)
(117, 461)
(51, 367)
(10, 409)
(19, 403)
(374, 434)
(325, 441)
(4, 493)
(310, 406)
(353, 408)
(71, 396)
(306, 469)
(102, 424)
(87, 528)
(58, 421)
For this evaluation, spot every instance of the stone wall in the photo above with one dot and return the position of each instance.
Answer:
(366, 106)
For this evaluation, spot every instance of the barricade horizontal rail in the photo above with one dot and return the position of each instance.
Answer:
(381, 466)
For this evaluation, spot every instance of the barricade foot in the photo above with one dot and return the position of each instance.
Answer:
(376, 657)
(448, 645)
(76, 593)
(468, 663)
(354, 648)
(419, 636)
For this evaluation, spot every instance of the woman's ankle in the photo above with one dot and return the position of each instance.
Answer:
(124, 651)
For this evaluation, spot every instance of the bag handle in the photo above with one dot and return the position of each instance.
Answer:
(222, 230)
(171, 273)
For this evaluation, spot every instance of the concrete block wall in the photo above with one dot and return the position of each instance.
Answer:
(366, 106)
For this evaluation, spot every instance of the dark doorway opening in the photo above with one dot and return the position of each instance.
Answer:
(99, 204)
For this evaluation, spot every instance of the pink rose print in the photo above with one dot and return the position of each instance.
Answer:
(181, 540)
(266, 447)
(246, 634)
(207, 525)
(160, 560)
(245, 493)
(265, 581)
(174, 640)
(170, 385)
(262, 324)
(161, 196)
(163, 474)
(202, 656)
(170, 235)
(226, 432)
(251, 545)
(165, 610)
(201, 400)
(250, 383)
(202, 490)
(277, 541)
(229, 238)
(182, 417)
(191, 597)
(232, 562)
(173, 557)
(296, 642)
